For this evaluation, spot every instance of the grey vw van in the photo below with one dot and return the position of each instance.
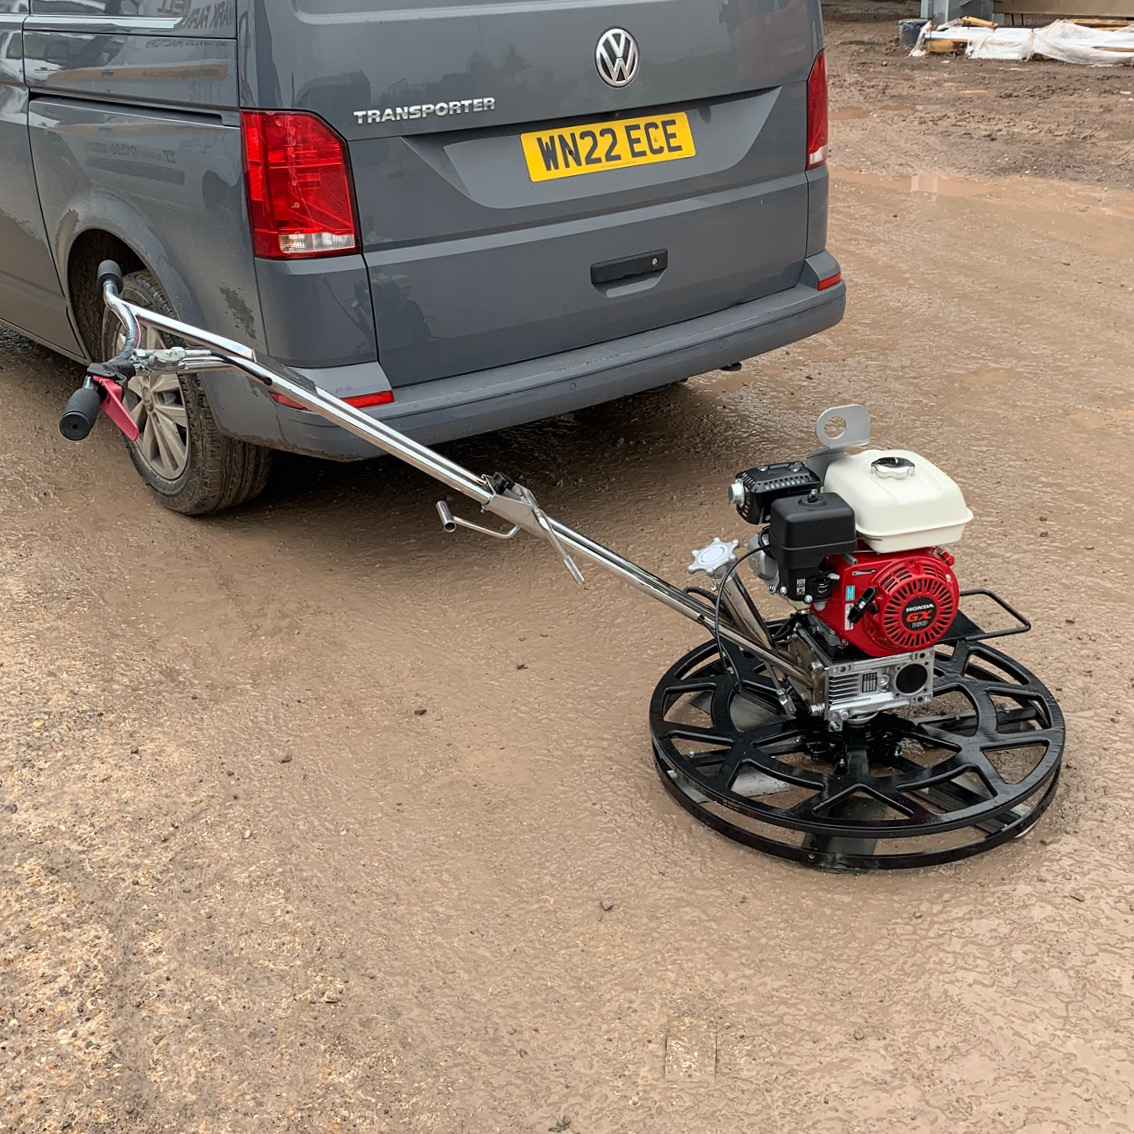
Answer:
(458, 214)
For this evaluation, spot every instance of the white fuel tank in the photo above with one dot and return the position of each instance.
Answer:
(901, 501)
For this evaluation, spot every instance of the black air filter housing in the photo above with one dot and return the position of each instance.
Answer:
(802, 532)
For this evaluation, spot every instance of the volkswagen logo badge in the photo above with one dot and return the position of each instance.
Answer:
(616, 57)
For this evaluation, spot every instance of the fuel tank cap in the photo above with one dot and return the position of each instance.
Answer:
(897, 468)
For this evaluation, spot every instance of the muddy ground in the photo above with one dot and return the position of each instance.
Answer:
(313, 818)
(899, 116)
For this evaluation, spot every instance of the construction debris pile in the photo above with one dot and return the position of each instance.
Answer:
(1091, 43)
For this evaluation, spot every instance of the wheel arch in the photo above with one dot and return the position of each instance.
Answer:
(106, 228)
(87, 251)
(240, 409)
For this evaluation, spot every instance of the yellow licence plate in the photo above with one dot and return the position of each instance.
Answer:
(597, 146)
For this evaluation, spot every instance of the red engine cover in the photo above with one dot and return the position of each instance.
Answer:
(915, 601)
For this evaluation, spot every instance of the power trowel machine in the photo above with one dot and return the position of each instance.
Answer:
(870, 726)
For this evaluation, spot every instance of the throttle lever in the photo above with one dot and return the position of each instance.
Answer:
(854, 615)
(111, 394)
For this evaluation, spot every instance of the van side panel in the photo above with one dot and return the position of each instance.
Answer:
(176, 70)
(31, 297)
(134, 132)
(165, 17)
(152, 178)
(170, 185)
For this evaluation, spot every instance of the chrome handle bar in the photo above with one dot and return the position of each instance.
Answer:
(511, 502)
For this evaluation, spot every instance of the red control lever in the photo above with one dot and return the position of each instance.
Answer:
(113, 408)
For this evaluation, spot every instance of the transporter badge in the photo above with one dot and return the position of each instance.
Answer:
(424, 110)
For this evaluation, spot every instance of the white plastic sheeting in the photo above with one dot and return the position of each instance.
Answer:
(1063, 40)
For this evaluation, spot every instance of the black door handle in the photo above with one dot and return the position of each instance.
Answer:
(629, 267)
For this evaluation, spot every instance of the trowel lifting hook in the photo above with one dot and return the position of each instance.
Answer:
(450, 523)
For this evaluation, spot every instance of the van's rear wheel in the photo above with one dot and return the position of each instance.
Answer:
(190, 465)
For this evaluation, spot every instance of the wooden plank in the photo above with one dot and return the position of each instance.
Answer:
(1114, 9)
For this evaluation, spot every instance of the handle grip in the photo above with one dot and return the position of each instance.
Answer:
(80, 413)
(109, 272)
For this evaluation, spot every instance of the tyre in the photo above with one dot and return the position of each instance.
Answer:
(189, 464)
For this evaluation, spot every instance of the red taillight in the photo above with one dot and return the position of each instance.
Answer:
(362, 401)
(830, 281)
(817, 112)
(297, 175)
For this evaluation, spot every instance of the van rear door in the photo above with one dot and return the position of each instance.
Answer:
(537, 175)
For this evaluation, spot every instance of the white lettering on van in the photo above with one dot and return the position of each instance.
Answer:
(424, 110)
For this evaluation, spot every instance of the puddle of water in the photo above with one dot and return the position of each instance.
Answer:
(723, 381)
(848, 113)
(1073, 214)
(1021, 192)
(932, 183)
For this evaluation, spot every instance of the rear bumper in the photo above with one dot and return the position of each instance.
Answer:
(487, 400)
